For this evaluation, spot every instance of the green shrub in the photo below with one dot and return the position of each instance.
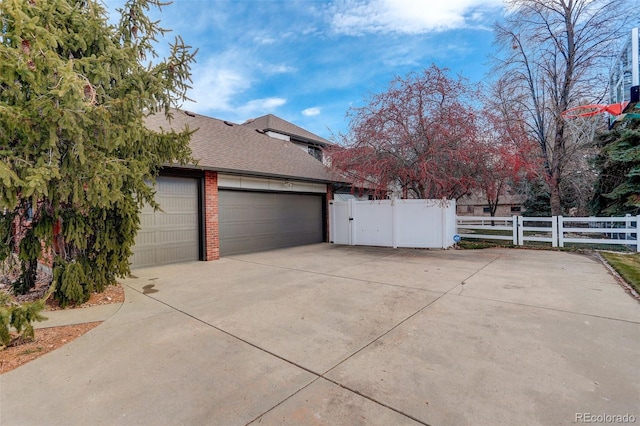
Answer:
(18, 317)
(70, 283)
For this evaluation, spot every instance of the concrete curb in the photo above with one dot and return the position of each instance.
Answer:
(623, 283)
(78, 315)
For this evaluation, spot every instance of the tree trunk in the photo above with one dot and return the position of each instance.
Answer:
(554, 186)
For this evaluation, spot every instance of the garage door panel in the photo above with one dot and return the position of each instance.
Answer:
(171, 234)
(179, 204)
(254, 221)
(168, 254)
(183, 220)
(178, 238)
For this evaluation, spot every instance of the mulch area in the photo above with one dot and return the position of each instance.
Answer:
(21, 351)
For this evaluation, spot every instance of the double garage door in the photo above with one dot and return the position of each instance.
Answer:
(256, 221)
(248, 222)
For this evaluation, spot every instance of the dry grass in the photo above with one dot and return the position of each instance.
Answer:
(627, 265)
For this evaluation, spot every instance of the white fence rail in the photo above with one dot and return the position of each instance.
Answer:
(393, 223)
(483, 223)
(534, 232)
(556, 230)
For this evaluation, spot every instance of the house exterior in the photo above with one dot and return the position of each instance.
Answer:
(253, 188)
(476, 205)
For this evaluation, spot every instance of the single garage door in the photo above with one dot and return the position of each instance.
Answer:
(170, 235)
(255, 221)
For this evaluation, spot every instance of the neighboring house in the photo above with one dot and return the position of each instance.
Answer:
(251, 190)
(278, 128)
(476, 205)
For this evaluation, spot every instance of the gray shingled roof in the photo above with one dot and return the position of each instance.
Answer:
(234, 148)
(277, 124)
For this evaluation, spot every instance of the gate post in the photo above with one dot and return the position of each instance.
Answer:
(394, 224)
(352, 237)
(557, 231)
(638, 233)
(332, 221)
(514, 231)
(520, 230)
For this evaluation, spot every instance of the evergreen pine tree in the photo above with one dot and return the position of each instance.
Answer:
(618, 185)
(537, 203)
(75, 156)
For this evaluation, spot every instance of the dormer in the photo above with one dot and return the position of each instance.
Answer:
(281, 129)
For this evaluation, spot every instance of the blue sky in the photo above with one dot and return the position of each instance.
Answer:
(309, 61)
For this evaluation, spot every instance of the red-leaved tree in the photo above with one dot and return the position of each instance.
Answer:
(417, 140)
(509, 152)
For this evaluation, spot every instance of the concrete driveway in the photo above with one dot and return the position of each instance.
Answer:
(338, 335)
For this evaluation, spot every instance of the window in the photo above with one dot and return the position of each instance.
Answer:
(315, 151)
(515, 209)
(486, 210)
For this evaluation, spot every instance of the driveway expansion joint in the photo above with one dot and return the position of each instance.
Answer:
(306, 369)
(332, 275)
(549, 308)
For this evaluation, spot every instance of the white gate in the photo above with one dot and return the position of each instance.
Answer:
(393, 223)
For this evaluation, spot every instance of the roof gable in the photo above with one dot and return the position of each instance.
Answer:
(223, 146)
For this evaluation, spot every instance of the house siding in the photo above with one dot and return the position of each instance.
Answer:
(478, 210)
(212, 228)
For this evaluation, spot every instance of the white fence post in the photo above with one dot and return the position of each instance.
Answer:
(514, 223)
(520, 230)
(332, 221)
(557, 231)
(443, 224)
(394, 224)
(627, 225)
(638, 233)
(352, 226)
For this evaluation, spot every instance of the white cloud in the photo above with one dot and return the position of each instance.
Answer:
(356, 17)
(222, 83)
(265, 40)
(261, 106)
(215, 84)
(278, 69)
(310, 112)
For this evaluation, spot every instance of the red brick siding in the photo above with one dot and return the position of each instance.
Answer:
(211, 231)
(19, 230)
(327, 219)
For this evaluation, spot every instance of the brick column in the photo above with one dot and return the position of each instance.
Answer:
(327, 218)
(211, 232)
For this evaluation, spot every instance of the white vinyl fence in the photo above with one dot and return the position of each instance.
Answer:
(501, 228)
(541, 229)
(556, 230)
(393, 223)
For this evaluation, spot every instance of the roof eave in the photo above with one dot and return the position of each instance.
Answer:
(299, 138)
(247, 173)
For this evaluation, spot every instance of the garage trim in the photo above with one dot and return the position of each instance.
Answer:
(274, 185)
